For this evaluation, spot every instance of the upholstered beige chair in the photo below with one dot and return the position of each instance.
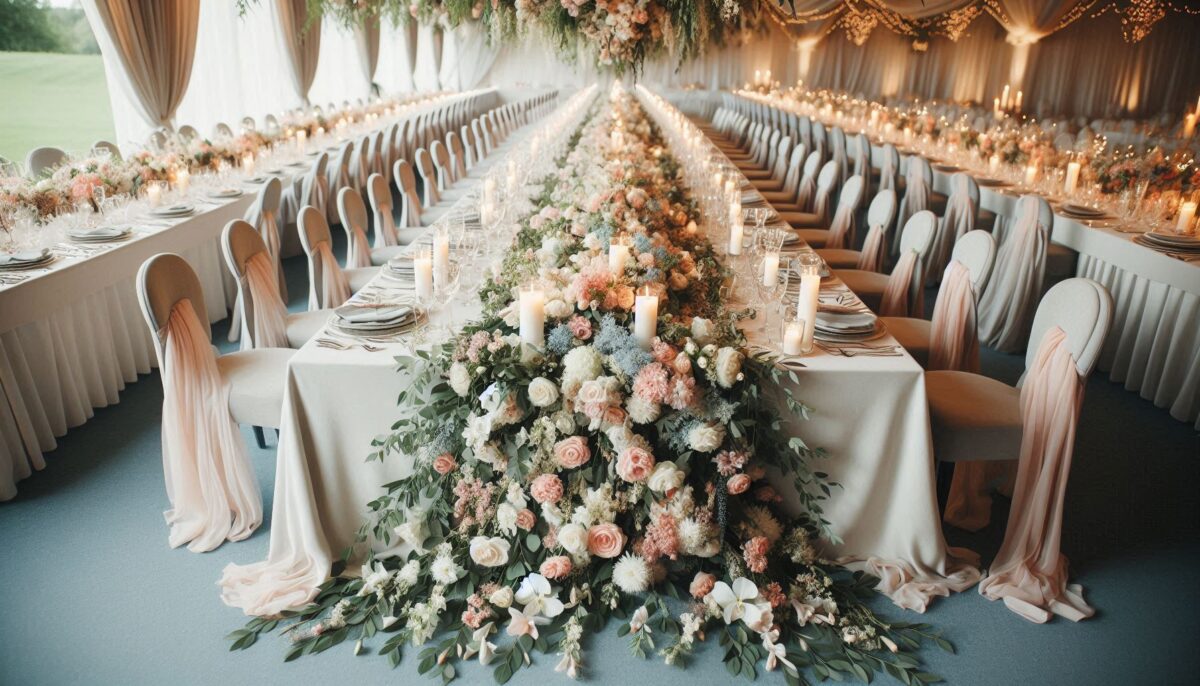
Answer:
(871, 286)
(329, 284)
(389, 240)
(839, 231)
(266, 322)
(821, 214)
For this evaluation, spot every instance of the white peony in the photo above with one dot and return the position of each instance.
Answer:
(542, 392)
(580, 365)
(445, 570)
(702, 330)
(642, 411)
(501, 597)
(506, 519)
(478, 430)
(559, 309)
(573, 539)
(489, 552)
(631, 574)
(407, 575)
(460, 379)
(706, 438)
(728, 367)
(665, 477)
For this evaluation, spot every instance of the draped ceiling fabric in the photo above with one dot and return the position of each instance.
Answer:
(397, 56)
(302, 46)
(466, 57)
(148, 47)
(427, 67)
(340, 74)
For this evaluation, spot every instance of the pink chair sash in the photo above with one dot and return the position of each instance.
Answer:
(334, 290)
(214, 495)
(358, 254)
(954, 343)
(896, 301)
(841, 229)
(1030, 571)
(270, 316)
(385, 229)
(872, 256)
(1006, 308)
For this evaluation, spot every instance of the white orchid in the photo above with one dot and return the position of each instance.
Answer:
(569, 665)
(523, 623)
(480, 644)
(538, 597)
(741, 601)
(776, 652)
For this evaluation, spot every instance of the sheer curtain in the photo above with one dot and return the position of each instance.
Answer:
(148, 48)
(397, 55)
(367, 39)
(240, 70)
(466, 56)
(426, 68)
(339, 74)
(301, 46)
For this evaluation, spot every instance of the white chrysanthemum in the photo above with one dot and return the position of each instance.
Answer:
(764, 523)
(460, 379)
(580, 365)
(506, 519)
(642, 411)
(407, 575)
(691, 534)
(542, 392)
(445, 570)
(631, 574)
(706, 438)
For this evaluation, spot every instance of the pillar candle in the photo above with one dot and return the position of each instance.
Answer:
(806, 306)
(183, 179)
(441, 256)
(1030, 174)
(489, 190)
(154, 194)
(736, 231)
(770, 272)
(533, 316)
(301, 138)
(423, 274)
(994, 163)
(1004, 98)
(1020, 95)
(1187, 212)
(618, 255)
(793, 338)
(1072, 177)
(248, 164)
(645, 317)
(1189, 125)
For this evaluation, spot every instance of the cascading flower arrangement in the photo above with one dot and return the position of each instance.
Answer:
(554, 490)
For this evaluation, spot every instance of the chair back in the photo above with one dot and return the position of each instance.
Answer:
(1080, 307)
(162, 281)
(882, 211)
(976, 251)
(39, 161)
(918, 232)
(441, 162)
(249, 124)
(188, 133)
(429, 180)
(410, 202)
(222, 130)
(107, 146)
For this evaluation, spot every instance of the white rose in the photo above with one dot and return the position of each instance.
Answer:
(460, 379)
(573, 539)
(506, 518)
(542, 392)
(558, 309)
(642, 411)
(702, 330)
(728, 367)
(489, 552)
(665, 477)
(501, 597)
(564, 422)
(706, 438)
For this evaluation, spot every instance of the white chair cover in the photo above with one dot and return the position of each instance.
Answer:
(1007, 306)
(916, 194)
(330, 287)
(956, 222)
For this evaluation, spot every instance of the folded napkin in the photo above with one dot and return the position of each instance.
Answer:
(361, 314)
(24, 257)
(858, 320)
(834, 308)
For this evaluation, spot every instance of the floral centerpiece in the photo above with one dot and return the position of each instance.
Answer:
(555, 490)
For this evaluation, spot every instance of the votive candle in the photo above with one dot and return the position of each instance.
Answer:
(770, 272)
(806, 300)
(423, 274)
(1072, 177)
(793, 338)
(736, 232)
(1187, 212)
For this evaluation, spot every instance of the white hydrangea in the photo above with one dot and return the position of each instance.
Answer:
(445, 570)
(407, 575)
(477, 432)
(580, 365)
(631, 574)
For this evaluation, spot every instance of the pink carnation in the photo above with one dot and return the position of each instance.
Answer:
(652, 383)
(755, 553)
(556, 567)
(547, 488)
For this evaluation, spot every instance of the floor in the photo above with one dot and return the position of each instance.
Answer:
(93, 595)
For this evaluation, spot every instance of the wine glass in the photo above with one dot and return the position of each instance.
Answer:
(770, 283)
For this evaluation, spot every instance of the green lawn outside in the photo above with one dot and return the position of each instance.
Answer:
(49, 99)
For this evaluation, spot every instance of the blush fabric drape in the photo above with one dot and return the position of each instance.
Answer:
(300, 40)
(954, 340)
(270, 315)
(1030, 571)
(334, 288)
(896, 300)
(214, 495)
(1006, 308)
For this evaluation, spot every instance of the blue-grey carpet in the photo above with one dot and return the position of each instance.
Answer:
(91, 594)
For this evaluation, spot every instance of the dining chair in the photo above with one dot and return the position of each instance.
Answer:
(188, 133)
(918, 185)
(42, 161)
(1008, 304)
(328, 284)
(819, 217)
(353, 212)
(785, 197)
(210, 483)
(103, 146)
(951, 339)
(222, 130)
(264, 217)
(839, 233)
(899, 293)
(265, 320)
(389, 240)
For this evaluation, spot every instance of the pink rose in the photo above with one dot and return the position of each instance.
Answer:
(556, 567)
(702, 585)
(547, 488)
(580, 327)
(635, 463)
(444, 464)
(737, 484)
(605, 540)
(526, 519)
(572, 452)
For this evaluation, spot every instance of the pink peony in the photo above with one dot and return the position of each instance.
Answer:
(738, 484)
(580, 327)
(547, 488)
(556, 567)
(635, 463)
(605, 540)
(444, 464)
(526, 519)
(702, 585)
(572, 452)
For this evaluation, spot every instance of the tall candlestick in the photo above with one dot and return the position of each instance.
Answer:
(441, 256)
(806, 300)
(1072, 177)
(736, 232)
(533, 316)
(1189, 125)
(770, 271)
(423, 275)
(1187, 212)
(1004, 97)
(618, 255)
(1020, 95)
(645, 317)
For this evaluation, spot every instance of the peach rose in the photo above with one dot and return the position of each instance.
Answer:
(738, 484)
(547, 488)
(605, 540)
(556, 567)
(444, 464)
(702, 585)
(635, 463)
(625, 297)
(572, 452)
(526, 519)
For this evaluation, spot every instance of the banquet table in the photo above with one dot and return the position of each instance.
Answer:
(72, 336)
(1153, 345)
(869, 414)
